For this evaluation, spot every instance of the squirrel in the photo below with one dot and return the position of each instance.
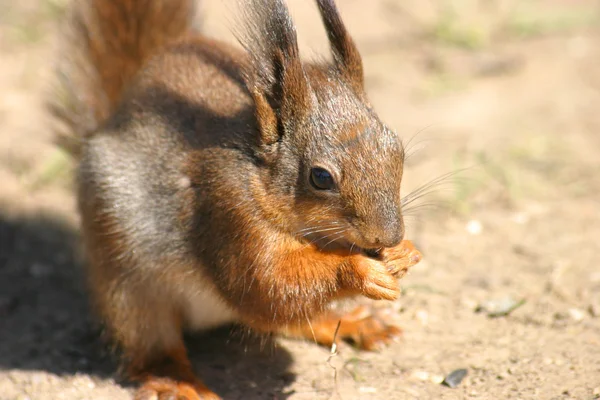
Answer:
(223, 184)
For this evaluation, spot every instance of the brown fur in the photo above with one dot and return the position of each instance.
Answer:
(195, 160)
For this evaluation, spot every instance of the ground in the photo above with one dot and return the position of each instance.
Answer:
(505, 94)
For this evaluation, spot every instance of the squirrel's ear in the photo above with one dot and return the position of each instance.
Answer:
(345, 54)
(275, 76)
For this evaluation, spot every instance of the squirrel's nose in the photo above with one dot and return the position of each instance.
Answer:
(389, 234)
(390, 239)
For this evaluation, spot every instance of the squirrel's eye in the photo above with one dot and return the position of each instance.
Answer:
(321, 179)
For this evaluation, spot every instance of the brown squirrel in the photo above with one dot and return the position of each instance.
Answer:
(219, 184)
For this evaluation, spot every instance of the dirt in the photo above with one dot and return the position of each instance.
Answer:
(512, 111)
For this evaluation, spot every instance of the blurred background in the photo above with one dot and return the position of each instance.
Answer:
(498, 102)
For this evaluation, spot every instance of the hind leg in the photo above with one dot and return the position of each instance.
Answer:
(363, 327)
(146, 325)
(167, 376)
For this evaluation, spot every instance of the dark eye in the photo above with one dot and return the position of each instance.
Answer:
(321, 179)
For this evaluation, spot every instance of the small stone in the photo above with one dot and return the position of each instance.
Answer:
(576, 314)
(422, 316)
(594, 310)
(559, 362)
(474, 227)
(455, 377)
(596, 392)
(421, 375)
(499, 307)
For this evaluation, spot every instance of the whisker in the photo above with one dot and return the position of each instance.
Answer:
(413, 137)
(324, 210)
(311, 328)
(413, 217)
(329, 225)
(432, 186)
(340, 235)
(318, 228)
(303, 233)
(327, 236)
(319, 231)
(429, 206)
(421, 196)
(314, 217)
(410, 148)
(351, 248)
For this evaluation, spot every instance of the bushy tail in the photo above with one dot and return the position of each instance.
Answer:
(104, 44)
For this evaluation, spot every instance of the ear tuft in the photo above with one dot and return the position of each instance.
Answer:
(275, 76)
(346, 57)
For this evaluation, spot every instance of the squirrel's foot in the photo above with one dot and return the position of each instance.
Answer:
(168, 377)
(364, 327)
(368, 328)
(168, 389)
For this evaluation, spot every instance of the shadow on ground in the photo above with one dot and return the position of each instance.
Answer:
(45, 322)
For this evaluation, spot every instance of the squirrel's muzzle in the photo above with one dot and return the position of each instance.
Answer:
(383, 232)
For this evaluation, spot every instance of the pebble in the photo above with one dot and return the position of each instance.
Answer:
(422, 316)
(421, 375)
(428, 377)
(474, 227)
(596, 393)
(576, 314)
(499, 307)
(455, 377)
(594, 310)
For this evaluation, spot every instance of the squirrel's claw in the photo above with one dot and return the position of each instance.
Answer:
(167, 389)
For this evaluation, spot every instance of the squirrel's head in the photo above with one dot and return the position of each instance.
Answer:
(331, 168)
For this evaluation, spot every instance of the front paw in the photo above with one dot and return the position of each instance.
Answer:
(376, 281)
(400, 258)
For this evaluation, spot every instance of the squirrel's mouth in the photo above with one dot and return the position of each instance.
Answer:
(373, 253)
(352, 248)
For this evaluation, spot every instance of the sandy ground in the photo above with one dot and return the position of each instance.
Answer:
(507, 93)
